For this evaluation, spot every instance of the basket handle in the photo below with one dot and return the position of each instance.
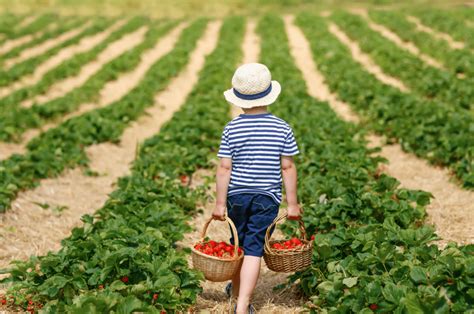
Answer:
(234, 232)
(282, 217)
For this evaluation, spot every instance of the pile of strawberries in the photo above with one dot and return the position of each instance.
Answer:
(221, 249)
(291, 244)
(29, 305)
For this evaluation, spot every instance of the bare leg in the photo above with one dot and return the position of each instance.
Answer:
(248, 280)
(236, 283)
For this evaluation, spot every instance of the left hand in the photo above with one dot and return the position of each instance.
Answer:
(219, 212)
(294, 212)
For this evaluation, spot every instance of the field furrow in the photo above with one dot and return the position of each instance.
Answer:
(110, 92)
(85, 44)
(63, 87)
(365, 60)
(369, 234)
(459, 61)
(451, 203)
(159, 223)
(17, 71)
(14, 43)
(423, 79)
(83, 194)
(101, 125)
(406, 45)
(213, 298)
(448, 23)
(453, 44)
(45, 46)
(429, 129)
(18, 119)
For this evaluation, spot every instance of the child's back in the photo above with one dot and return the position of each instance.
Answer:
(255, 143)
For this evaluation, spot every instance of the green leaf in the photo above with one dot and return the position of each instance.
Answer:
(350, 281)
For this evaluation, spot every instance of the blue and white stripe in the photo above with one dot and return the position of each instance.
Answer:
(255, 143)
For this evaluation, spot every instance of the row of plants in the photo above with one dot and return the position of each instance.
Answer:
(63, 147)
(372, 251)
(124, 259)
(457, 60)
(50, 32)
(17, 119)
(419, 76)
(63, 70)
(8, 25)
(448, 22)
(13, 73)
(430, 129)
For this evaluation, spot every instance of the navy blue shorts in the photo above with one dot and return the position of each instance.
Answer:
(252, 214)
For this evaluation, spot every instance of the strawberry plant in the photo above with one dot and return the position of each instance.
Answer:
(63, 146)
(431, 130)
(17, 119)
(15, 72)
(422, 78)
(372, 250)
(456, 60)
(448, 22)
(123, 258)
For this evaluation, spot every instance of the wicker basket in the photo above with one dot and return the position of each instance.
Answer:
(214, 268)
(287, 261)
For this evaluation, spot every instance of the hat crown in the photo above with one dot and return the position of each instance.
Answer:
(251, 78)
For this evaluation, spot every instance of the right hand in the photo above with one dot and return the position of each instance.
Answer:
(219, 212)
(294, 212)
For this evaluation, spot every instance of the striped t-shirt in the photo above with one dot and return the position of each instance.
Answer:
(255, 143)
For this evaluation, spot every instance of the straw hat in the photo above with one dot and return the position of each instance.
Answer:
(252, 86)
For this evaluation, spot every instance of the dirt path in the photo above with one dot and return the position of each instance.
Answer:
(45, 46)
(452, 210)
(111, 92)
(408, 46)
(114, 50)
(213, 298)
(365, 59)
(84, 45)
(13, 43)
(446, 37)
(27, 21)
(29, 229)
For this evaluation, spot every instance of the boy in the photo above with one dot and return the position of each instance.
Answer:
(255, 153)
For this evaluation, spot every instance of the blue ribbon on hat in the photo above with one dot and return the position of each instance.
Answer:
(253, 96)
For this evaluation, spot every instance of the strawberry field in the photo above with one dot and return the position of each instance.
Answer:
(108, 123)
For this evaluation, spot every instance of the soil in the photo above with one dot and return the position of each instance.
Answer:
(45, 46)
(213, 298)
(29, 229)
(452, 210)
(450, 40)
(114, 50)
(84, 45)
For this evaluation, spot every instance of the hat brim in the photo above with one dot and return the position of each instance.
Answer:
(264, 101)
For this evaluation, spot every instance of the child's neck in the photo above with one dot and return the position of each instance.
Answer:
(256, 110)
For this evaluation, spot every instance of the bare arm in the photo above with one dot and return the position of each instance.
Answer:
(222, 185)
(290, 178)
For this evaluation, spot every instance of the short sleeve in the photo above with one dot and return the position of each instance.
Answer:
(224, 149)
(290, 148)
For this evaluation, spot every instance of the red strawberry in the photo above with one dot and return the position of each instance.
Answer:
(296, 241)
(213, 243)
(155, 296)
(4, 302)
(101, 287)
(184, 179)
(124, 279)
(373, 306)
(312, 237)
